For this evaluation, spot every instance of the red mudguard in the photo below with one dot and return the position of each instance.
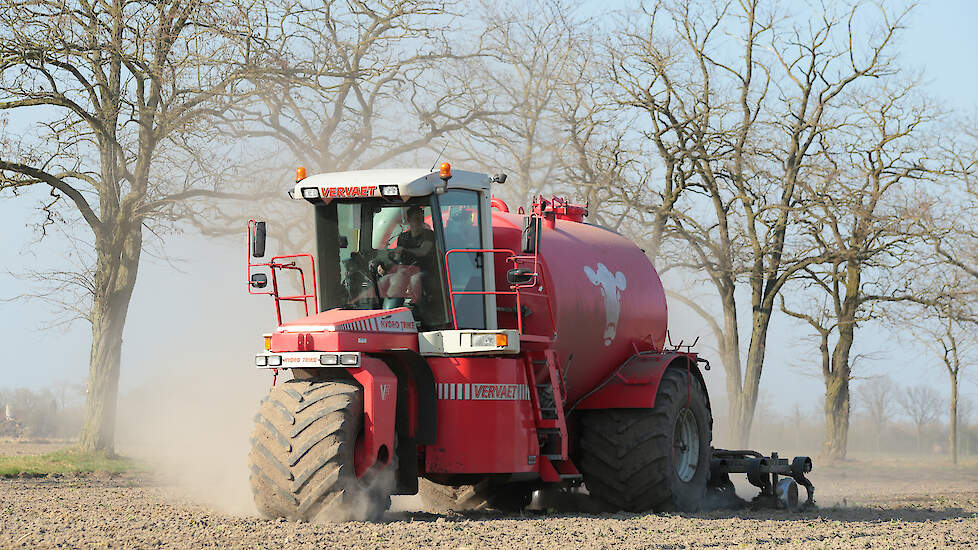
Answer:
(634, 384)
(379, 412)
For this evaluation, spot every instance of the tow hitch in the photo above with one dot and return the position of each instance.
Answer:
(762, 472)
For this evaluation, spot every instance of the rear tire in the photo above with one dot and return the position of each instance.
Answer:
(650, 459)
(302, 451)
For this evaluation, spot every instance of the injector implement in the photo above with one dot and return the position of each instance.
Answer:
(448, 346)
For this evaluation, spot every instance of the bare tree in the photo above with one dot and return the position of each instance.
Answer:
(952, 334)
(535, 61)
(877, 395)
(35, 410)
(122, 89)
(357, 84)
(596, 159)
(739, 102)
(858, 216)
(561, 131)
(923, 405)
(966, 413)
(353, 85)
(949, 334)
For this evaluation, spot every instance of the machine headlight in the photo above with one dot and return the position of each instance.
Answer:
(274, 360)
(310, 193)
(489, 340)
(261, 360)
(329, 359)
(349, 359)
(389, 191)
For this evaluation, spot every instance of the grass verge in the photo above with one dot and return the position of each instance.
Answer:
(64, 462)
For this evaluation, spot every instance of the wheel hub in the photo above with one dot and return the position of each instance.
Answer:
(686, 445)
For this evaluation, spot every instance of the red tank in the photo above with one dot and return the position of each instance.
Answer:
(599, 296)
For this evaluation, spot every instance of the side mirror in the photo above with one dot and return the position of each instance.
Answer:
(519, 276)
(531, 225)
(258, 242)
(259, 280)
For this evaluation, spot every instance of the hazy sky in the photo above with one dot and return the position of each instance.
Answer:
(202, 316)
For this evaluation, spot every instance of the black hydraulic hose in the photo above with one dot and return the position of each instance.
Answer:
(603, 383)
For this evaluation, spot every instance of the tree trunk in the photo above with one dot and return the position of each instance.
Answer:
(729, 348)
(663, 213)
(115, 278)
(954, 418)
(837, 378)
(752, 376)
(98, 430)
(836, 416)
(837, 393)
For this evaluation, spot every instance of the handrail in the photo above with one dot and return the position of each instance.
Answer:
(274, 264)
(514, 290)
(305, 296)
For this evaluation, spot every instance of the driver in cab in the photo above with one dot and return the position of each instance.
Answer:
(415, 244)
(414, 253)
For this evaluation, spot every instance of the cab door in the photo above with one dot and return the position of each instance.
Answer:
(461, 224)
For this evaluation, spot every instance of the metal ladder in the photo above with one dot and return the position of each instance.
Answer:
(548, 413)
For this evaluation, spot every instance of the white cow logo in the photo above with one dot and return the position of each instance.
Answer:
(611, 286)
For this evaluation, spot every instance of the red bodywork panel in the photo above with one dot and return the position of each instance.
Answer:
(379, 412)
(485, 420)
(380, 320)
(635, 383)
(342, 341)
(365, 330)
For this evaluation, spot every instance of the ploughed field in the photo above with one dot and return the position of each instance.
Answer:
(899, 504)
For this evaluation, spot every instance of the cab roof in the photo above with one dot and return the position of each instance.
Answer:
(410, 182)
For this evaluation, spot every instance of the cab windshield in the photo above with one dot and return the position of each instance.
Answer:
(375, 254)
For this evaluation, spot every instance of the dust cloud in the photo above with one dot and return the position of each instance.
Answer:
(192, 427)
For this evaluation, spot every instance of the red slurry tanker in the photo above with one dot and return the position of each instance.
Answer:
(452, 347)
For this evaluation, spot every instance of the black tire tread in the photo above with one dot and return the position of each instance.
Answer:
(624, 453)
(301, 458)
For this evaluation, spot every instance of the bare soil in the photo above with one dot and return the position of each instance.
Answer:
(16, 447)
(866, 503)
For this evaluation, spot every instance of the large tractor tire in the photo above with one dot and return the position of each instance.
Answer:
(650, 459)
(302, 452)
(483, 496)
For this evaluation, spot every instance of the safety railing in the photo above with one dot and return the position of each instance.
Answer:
(275, 264)
(514, 291)
(532, 262)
